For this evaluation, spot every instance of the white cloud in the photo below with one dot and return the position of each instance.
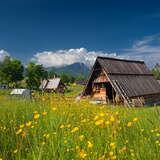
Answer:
(66, 57)
(147, 49)
(3, 54)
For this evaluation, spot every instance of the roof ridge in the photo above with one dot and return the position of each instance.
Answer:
(118, 59)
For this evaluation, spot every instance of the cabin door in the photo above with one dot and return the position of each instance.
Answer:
(110, 93)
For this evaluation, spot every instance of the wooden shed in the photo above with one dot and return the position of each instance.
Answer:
(129, 82)
(53, 85)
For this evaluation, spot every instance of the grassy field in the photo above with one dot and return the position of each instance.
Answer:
(55, 127)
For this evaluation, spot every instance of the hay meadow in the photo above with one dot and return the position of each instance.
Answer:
(56, 127)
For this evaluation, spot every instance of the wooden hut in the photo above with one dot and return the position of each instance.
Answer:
(53, 85)
(128, 82)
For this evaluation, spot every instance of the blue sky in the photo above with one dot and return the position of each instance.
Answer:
(45, 29)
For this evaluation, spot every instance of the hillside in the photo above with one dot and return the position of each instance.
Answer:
(76, 69)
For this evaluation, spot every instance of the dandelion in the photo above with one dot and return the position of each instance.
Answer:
(36, 116)
(96, 117)
(99, 122)
(61, 126)
(81, 137)
(112, 145)
(107, 122)
(135, 119)
(102, 114)
(117, 113)
(28, 124)
(112, 119)
(82, 154)
(15, 151)
(44, 113)
(32, 126)
(69, 125)
(90, 145)
(111, 154)
(65, 141)
(19, 131)
(129, 124)
(21, 126)
(75, 129)
(54, 109)
(126, 141)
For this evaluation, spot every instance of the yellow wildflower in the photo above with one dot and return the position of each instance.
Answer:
(82, 154)
(15, 151)
(65, 141)
(112, 145)
(44, 113)
(90, 145)
(21, 126)
(32, 126)
(75, 129)
(126, 141)
(69, 125)
(129, 124)
(61, 126)
(19, 131)
(96, 117)
(81, 137)
(36, 116)
(111, 153)
(135, 119)
(112, 119)
(102, 114)
(28, 124)
(107, 122)
(99, 122)
(117, 113)
(54, 109)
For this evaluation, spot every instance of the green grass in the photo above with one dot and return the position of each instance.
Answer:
(58, 134)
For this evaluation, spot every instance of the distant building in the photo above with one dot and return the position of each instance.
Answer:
(26, 93)
(122, 81)
(3, 86)
(53, 85)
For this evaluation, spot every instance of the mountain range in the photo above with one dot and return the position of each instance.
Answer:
(75, 69)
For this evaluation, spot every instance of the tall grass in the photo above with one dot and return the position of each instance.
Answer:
(56, 127)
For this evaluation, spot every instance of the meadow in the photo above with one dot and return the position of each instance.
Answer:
(56, 127)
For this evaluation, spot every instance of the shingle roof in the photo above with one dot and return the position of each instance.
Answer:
(133, 76)
(122, 66)
(50, 83)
